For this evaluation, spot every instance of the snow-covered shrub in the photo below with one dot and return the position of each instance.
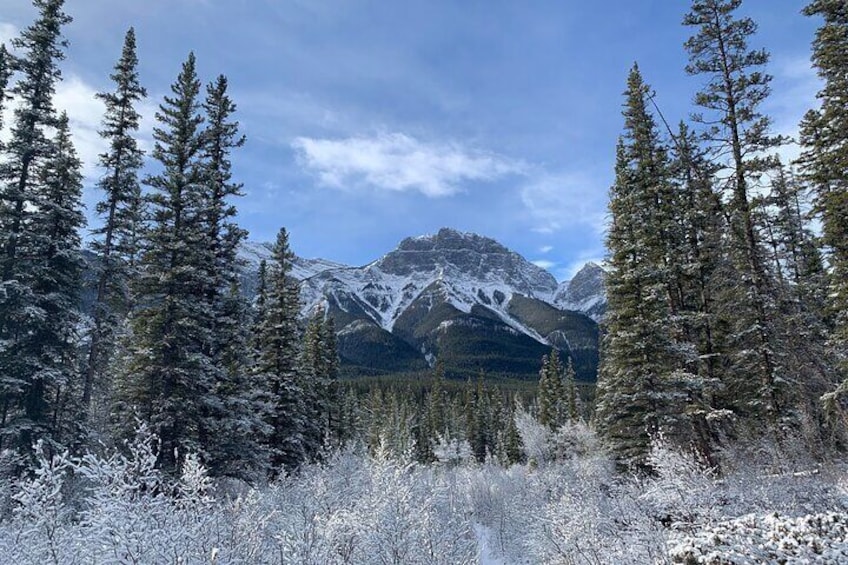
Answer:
(682, 491)
(755, 538)
(40, 529)
(535, 437)
(576, 440)
(453, 451)
(592, 515)
(505, 502)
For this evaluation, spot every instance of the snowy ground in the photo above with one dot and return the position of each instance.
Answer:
(361, 509)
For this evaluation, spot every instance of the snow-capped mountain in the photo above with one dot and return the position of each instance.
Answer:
(467, 269)
(455, 295)
(584, 293)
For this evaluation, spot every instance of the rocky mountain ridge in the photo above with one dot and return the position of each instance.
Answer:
(459, 296)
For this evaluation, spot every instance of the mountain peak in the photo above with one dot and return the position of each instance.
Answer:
(585, 292)
(447, 239)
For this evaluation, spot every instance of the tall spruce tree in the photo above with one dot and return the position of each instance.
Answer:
(638, 355)
(34, 347)
(168, 380)
(235, 417)
(552, 396)
(698, 329)
(5, 74)
(277, 341)
(114, 242)
(824, 137)
(736, 129)
(57, 219)
(319, 364)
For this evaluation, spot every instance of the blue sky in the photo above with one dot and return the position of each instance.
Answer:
(369, 121)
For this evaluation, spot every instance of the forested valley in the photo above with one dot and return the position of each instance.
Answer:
(175, 419)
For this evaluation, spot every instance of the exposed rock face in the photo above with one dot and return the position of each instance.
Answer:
(458, 296)
(584, 293)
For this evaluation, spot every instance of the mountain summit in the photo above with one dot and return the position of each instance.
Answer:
(458, 296)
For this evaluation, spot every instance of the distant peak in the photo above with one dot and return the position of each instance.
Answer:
(591, 266)
(447, 239)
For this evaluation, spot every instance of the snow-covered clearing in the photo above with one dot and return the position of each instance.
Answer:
(361, 509)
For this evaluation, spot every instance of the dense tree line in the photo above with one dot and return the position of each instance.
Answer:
(726, 313)
(171, 341)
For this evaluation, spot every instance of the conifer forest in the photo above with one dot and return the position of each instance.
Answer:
(154, 409)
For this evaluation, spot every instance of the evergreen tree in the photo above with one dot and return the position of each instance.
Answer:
(6, 61)
(736, 87)
(235, 416)
(572, 408)
(57, 279)
(552, 396)
(638, 357)
(436, 418)
(277, 341)
(824, 137)
(698, 328)
(115, 241)
(168, 381)
(319, 364)
(35, 349)
(480, 430)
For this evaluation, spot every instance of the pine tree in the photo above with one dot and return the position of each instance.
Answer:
(436, 418)
(115, 242)
(235, 417)
(636, 398)
(552, 399)
(572, 403)
(56, 225)
(480, 435)
(277, 364)
(33, 347)
(736, 87)
(824, 137)
(6, 62)
(699, 262)
(168, 381)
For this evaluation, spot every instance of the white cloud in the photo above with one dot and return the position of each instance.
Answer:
(555, 201)
(546, 249)
(398, 162)
(85, 112)
(7, 32)
(544, 263)
(795, 86)
(76, 97)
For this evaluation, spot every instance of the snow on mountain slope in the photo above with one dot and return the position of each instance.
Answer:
(469, 269)
(584, 293)
(252, 253)
(458, 294)
(463, 270)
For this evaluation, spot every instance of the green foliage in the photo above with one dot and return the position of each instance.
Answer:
(40, 264)
(824, 134)
(115, 243)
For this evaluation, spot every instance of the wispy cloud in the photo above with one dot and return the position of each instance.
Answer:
(557, 200)
(7, 32)
(795, 88)
(399, 162)
(546, 249)
(85, 111)
(544, 263)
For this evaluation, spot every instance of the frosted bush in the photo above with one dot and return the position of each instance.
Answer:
(682, 491)
(751, 539)
(353, 508)
(535, 438)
